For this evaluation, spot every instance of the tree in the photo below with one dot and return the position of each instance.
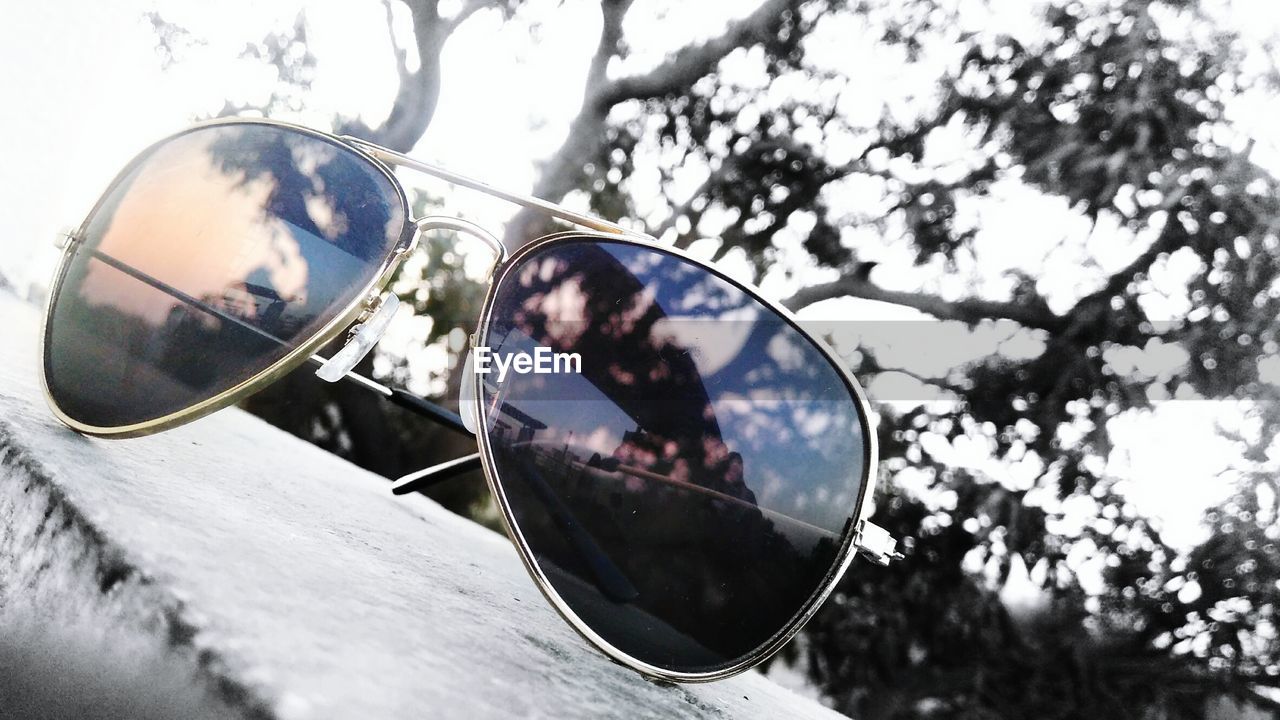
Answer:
(1120, 109)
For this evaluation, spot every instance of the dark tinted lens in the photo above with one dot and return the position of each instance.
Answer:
(217, 254)
(688, 491)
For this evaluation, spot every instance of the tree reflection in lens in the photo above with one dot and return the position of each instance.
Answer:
(711, 452)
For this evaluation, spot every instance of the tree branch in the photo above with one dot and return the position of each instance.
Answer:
(685, 209)
(688, 65)
(969, 310)
(613, 11)
(416, 96)
(871, 366)
(402, 67)
(1033, 314)
(1261, 701)
(586, 137)
(471, 8)
(1166, 241)
(419, 90)
(1092, 308)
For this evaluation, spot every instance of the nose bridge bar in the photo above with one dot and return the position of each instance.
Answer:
(446, 222)
(394, 158)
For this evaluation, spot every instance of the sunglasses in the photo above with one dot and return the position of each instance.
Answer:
(684, 471)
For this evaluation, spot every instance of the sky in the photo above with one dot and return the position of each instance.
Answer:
(85, 90)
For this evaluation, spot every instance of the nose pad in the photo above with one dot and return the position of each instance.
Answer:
(363, 338)
(468, 407)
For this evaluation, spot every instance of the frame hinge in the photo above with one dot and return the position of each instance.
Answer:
(876, 543)
(64, 238)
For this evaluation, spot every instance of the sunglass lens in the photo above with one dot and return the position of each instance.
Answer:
(214, 256)
(688, 488)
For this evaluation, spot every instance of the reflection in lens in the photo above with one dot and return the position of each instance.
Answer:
(689, 491)
(213, 257)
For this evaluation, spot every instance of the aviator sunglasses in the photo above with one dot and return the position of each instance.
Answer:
(685, 472)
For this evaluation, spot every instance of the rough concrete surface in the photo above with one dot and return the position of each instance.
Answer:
(230, 570)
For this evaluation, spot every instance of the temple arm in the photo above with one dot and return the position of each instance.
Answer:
(423, 479)
(404, 399)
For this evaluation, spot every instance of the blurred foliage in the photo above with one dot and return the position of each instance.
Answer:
(1118, 108)
(1120, 120)
(1126, 122)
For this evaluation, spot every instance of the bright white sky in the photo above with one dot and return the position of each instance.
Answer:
(84, 91)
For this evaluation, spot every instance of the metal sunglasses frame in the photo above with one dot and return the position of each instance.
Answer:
(860, 536)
